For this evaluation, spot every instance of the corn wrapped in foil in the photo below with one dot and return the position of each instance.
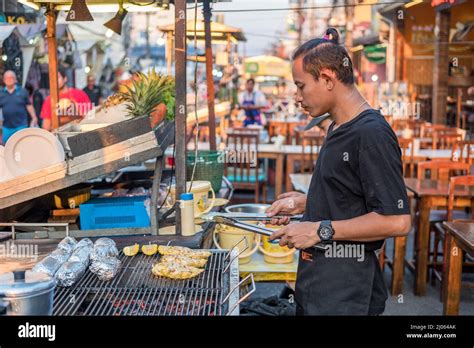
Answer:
(77, 264)
(51, 263)
(105, 268)
(68, 244)
(104, 247)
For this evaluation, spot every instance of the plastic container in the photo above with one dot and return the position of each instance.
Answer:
(114, 212)
(232, 236)
(209, 167)
(186, 203)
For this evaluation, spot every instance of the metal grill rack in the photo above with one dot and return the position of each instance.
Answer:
(136, 291)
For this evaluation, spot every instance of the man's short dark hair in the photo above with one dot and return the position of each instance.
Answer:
(251, 80)
(326, 53)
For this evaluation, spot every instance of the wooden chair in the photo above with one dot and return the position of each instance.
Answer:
(461, 152)
(445, 140)
(406, 145)
(440, 233)
(416, 126)
(276, 127)
(242, 167)
(442, 171)
(311, 142)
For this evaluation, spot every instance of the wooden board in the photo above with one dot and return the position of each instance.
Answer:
(86, 142)
(32, 180)
(70, 180)
(40, 185)
(65, 212)
(111, 153)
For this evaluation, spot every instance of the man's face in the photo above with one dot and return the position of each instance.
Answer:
(91, 81)
(249, 86)
(313, 95)
(61, 81)
(9, 80)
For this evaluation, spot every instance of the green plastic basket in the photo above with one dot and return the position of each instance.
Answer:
(209, 167)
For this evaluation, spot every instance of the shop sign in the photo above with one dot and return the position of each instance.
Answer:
(15, 18)
(376, 53)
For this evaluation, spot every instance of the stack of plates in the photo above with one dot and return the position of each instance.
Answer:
(32, 149)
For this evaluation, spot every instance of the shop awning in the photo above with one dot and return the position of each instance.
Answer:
(267, 66)
(219, 31)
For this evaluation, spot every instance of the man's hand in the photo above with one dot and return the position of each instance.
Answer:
(34, 122)
(299, 235)
(288, 203)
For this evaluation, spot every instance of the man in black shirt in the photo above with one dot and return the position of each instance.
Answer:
(356, 198)
(93, 91)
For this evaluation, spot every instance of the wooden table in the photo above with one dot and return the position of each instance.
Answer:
(264, 271)
(430, 193)
(460, 238)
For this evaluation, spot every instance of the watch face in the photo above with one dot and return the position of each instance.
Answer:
(325, 233)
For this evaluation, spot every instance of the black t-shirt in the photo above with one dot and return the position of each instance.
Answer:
(359, 170)
(94, 94)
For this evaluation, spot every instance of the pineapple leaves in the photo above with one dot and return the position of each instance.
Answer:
(147, 91)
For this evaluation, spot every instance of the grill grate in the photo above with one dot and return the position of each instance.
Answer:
(136, 291)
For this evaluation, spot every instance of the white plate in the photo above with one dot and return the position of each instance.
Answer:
(32, 149)
(4, 172)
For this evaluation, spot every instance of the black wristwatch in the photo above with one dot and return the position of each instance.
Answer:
(325, 231)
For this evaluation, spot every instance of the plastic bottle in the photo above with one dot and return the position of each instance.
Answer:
(186, 204)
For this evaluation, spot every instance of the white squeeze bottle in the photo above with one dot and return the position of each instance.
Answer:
(186, 204)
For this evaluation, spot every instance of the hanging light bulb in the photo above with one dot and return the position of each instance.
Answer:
(160, 41)
(79, 12)
(115, 24)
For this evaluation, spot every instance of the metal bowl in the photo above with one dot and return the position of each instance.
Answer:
(247, 208)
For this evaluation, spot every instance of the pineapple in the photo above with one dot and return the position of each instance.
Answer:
(149, 94)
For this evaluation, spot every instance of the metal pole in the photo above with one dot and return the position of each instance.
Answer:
(209, 77)
(51, 15)
(180, 111)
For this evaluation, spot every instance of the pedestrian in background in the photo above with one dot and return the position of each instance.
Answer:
(16, 106)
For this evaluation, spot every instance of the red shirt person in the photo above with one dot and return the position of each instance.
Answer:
(72, 102)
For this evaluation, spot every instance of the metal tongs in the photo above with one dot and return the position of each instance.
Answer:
(248, 216)
(225, 219)
(235, 223)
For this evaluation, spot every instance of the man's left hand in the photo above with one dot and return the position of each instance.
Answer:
(34, 122)
(300, 235)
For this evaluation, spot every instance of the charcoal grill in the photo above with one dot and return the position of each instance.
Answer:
(136, 291)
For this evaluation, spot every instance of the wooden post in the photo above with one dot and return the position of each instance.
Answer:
(169, 51)
(459, 108)
(209, 77)
(180, 111)
(349, 26)
(441, 66)
(51, 16)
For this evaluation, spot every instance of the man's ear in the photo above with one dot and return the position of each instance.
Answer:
(328, 77)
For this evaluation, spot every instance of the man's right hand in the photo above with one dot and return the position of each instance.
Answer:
(290, 203)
